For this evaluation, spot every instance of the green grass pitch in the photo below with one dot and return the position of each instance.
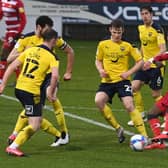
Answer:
(91, 145)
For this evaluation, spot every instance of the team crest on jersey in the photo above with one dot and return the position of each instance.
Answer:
(114, 58)
(144, 42)
(150, 34)
(122, 48)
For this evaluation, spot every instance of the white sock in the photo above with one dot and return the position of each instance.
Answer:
(14, 145)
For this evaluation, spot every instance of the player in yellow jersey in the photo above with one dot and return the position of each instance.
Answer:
(35, 63)
(112, 62)
(152, 43)
(32, 39)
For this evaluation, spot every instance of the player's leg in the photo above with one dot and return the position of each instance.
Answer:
(157, 110)
(60, 117)
(7, 46)
(156, 83)
(162, 105)
(23, 136)
(34, 112)
(101, 100)
(58, 111)
(154, 121)
(50, 129)
(134, 114)
(138, 100)
(21, 122)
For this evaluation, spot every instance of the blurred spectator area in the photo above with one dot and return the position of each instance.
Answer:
(119, 1)
(99, 31)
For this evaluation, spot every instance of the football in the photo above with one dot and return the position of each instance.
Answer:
(137, 142)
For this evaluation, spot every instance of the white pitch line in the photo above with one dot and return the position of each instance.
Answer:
(87, 120)
(87, 108)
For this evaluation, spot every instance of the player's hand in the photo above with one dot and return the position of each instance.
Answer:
(125, 75)
(146, 65)
(67, 76)
(51, 96)
(103, 73)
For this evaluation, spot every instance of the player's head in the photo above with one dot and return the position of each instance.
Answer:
(146, 14)
(43, 23)
(116, 29)
(50, 36)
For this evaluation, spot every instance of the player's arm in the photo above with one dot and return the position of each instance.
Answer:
(99, 61)
(135, 53)
(138, 65)
(53, 84)
(70, 61)
(161, 56)
(100, 69)
(161, 43)
(156, 60)
(11, 68)
(13, 55)
(19, 47)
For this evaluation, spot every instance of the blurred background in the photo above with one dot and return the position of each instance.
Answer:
(89, 19)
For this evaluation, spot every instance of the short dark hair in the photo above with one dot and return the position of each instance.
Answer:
(44, 20)
(49, 34)
(147, 7)
(118, 23)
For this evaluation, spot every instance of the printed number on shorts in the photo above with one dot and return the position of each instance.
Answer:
(30, 67)
(128, 88)
(159, 81)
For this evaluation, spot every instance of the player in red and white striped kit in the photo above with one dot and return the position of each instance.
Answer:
(15, 18)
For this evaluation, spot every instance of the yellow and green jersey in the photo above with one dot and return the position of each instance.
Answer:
(116, 58)
(151, 37)
(36, 62)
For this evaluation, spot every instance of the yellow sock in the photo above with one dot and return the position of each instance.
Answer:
(24, 135)
(108, 115)
(158, 98)
(22, 121)
(59, 113)
(138, 122)
(138, 101)
(49, 128)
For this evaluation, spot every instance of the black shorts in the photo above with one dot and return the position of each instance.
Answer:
(44, 86)
(153, 77)
(31, 103)
(122, 88)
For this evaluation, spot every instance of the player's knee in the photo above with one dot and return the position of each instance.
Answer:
(36, 127)
(156, 95)
(129, 107)
(99, 102)
(135, 87)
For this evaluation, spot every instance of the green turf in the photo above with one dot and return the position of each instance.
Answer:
(91, 146)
